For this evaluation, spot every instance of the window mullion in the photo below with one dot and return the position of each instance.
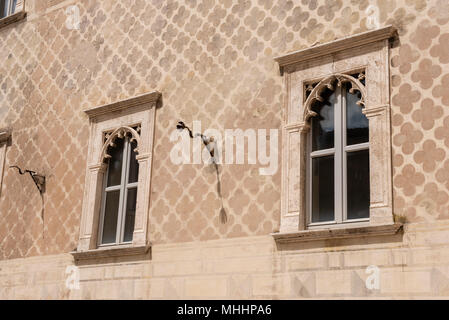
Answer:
(338, 160)
(103, 208)
(9, 7)
(309, 178)
(122, 192)
(344, 157)
(125, 189)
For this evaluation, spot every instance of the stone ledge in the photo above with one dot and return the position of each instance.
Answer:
(12, 18)
(337, 233)
(110, 252)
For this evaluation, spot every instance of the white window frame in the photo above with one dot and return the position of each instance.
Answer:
(339, 152)
(123, 187)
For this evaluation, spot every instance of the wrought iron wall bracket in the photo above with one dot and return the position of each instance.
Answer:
(38, 180)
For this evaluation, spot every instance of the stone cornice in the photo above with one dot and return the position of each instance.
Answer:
(335, 46)
(148, 98)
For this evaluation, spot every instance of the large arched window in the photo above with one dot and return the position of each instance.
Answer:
(338, 162)
(119, 193)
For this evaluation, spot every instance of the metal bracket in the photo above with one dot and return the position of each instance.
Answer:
(39, 180)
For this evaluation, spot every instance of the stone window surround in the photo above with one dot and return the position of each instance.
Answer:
(19, 14)
(368, 51)
(109, 118)
(4, 138)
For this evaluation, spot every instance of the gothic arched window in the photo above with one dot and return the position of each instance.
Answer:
(338, 169)
(119, 193)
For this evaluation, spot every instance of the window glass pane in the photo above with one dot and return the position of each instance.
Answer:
(110, 217)
(3, 8)
(356, 122)
(13, 6)
(323, 123)
(115, 163)
(323, 189)
(130, 214)
(133, 165)
(358, 184)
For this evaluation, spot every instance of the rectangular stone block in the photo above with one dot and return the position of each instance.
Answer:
(214, 287)
(424, 256)
(306, 261)
(128, 271)
(366, 258)
(336, 282)
(176, 268)
(335, 260)
(406, 282)
(91, 273)
(141, 289)
(156, 288)
(400, 257)
(271, 286)
(249, 265)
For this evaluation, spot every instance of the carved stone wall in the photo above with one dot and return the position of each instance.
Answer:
(213, 62)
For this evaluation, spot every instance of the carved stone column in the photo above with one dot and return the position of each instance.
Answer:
(143, 201)
(380, 164)
(293, 217)
(89, 221)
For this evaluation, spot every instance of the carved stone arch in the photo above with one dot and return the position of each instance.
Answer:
(329, 83)
(118, 133)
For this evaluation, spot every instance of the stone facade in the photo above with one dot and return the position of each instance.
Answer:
(212, 61)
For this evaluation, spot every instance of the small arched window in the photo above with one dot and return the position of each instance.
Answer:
(119, 193)
(338, 162)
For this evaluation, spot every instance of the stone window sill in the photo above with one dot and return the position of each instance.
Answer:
(337, 233)
(111, 252)
(12, 18)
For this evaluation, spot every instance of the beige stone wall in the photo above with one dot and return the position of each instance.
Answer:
(213, 62)
(415, 265)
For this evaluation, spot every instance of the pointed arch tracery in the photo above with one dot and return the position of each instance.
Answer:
(120, 133)
(330, 82)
